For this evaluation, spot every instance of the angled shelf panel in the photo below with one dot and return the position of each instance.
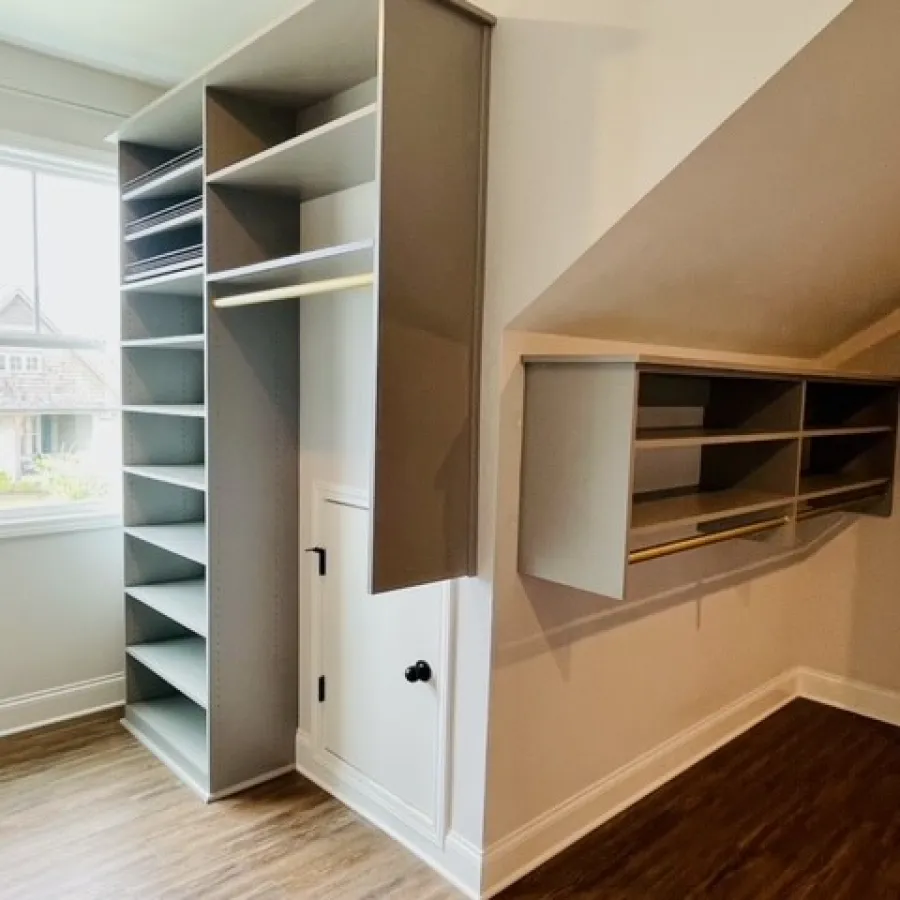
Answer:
(194, 217)
(187, 540)
(183, 602)
(193, 477)
(666, 438)
(334, 157)
(186, 283)
(813, 487)
(180, 663)
(655, 512)
(173, 342)
(193, 411)
(183, 179)
(313, 265)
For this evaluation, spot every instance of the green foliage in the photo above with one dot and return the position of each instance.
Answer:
(65, 476)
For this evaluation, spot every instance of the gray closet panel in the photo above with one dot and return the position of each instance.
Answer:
(434, 67)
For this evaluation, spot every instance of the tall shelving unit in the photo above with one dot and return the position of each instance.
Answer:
(339, 94)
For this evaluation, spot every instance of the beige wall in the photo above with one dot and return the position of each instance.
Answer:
(593, 103)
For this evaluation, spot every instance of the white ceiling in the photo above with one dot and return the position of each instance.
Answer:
(162, 41)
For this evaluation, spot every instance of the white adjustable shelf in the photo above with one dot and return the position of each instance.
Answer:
(814, 487)
(173, 342)
(190, 218)
(312, 265)
(186, 539)
(651, 513)
(665, 438)
(183, 602)
(846, 430)
(193, 477)
(190, 410)
(187, 283)
(336, 156)
(180, 662)
(186, 179)
(175, 729)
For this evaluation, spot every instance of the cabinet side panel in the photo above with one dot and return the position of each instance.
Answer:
(576, 475)
(252, 520)
(434, 69)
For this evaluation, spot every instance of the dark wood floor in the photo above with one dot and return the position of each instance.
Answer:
(806, 805)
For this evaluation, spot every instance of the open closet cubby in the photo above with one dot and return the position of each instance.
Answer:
(629, 460)
(305, 163)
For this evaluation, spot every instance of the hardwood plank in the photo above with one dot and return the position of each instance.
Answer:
(87, 812)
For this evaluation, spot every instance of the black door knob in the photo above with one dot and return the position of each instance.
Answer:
(421, 671)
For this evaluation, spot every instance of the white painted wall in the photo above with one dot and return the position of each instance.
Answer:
(61, 604)
(61, 625)
(594, 101)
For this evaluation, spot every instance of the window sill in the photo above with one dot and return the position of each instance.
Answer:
(38, 526)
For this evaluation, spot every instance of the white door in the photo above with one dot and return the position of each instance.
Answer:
(373, 718)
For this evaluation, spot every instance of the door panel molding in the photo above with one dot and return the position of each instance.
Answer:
(433, 829)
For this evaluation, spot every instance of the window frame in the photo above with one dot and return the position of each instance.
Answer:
(75, 516)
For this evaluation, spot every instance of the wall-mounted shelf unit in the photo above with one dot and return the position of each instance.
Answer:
(219, 247)
(632, 459)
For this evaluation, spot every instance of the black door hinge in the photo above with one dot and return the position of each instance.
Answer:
(323, 558)
(321, 689)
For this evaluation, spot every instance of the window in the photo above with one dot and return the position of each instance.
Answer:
(59, 335)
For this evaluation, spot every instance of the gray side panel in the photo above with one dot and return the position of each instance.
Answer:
(434, 68)
(252, 519)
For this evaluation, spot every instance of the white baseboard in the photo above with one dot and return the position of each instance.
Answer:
(60, 704)
(456, 860)
(524, 850)
(852, 696)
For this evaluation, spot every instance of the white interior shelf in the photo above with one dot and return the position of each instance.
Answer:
(193, 477)
(813, 487)
(173, 342)
(187, 283)
(183, 602)
(180, 662)
(185, 539)
(310, 266)
(188, 410)
(652, 513)
(337, 156)
(174, 725)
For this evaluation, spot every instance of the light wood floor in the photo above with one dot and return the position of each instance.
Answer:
(87, 814)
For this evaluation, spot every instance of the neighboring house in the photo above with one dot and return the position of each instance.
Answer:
(51, 401)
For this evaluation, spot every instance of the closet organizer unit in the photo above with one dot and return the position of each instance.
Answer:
(629, 460)
(216, 260)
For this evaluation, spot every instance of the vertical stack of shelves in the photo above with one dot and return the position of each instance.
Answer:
(385, 96)
(164, 440)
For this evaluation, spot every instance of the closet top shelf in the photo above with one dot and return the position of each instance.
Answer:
(327, 46)
(650, 362)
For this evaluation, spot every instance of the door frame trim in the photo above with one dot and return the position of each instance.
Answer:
(436, 829)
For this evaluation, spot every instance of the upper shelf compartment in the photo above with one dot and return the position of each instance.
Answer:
(678, 409)
(332, 157)
(836, 407)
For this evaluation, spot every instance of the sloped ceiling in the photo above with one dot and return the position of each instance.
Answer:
(780, 234)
